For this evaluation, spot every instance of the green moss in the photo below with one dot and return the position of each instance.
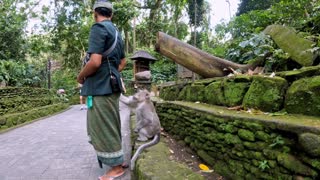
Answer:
(253, 126)
(300, 73)
(261, 135)
(10, 123)
(16, 100)
(223, 169)
(166, 93)
(255, 145)
(204, 156)
(230, 128)
(295, 165)
(315, 163)
(304, 92)
(271, 154)
(191, 93)
(20, 118)
(266, 94)
(214, 93)
(218, 114)
(210, 131)
(246, 135)
(254, 155)
(234, 92)
(272, 163)
(310, 143)
(183, 93)
(232, 139)
(153, 164)
(215, 137)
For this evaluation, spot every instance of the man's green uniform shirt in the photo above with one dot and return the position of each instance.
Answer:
(102, 36)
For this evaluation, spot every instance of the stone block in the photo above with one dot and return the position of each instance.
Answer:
(266, 94)
(297, 47)
(310, 143)
(304, 92)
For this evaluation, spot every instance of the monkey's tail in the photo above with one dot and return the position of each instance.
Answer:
(155, 141)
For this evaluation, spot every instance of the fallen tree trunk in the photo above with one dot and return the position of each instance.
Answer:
(195, 59)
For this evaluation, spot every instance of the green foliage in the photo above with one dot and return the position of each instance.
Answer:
(20, 74)
(245, 42)
(263, 165)
(124, 11)
(70, 32)
(293, 12)
(250, 5)
(127, 72)
(252, 22)
(12, 24)
(196, 10)
(64, 79)
(258, 46)
(163, 69)
(65, 34)
(277, 141)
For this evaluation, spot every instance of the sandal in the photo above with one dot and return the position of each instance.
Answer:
(112, 177)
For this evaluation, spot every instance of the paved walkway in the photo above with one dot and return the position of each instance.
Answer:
(54, 148)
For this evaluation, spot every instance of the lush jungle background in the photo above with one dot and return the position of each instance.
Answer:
(55, 45)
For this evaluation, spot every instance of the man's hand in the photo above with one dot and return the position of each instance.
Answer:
(80, 80)
(122, 64)
(90, 68)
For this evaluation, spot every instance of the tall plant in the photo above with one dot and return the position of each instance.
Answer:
(12, 23)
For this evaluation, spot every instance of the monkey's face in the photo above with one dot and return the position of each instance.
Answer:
(142, 95)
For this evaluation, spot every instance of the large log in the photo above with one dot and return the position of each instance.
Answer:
(194, 59)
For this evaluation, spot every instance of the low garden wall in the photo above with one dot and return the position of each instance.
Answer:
(285, 92)
(240, 145)
(20, 105)
(275, 135)
(13, 100)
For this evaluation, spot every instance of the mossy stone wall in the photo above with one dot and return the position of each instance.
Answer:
(20, 105)
(304, 93)
(11, 120)
(13, 99)
(244, 146)
(288, 92)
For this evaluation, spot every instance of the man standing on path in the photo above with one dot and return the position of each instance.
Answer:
(102, 85)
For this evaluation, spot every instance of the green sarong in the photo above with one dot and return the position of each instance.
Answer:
(104, 129)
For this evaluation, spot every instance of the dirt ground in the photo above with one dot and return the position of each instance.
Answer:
(185, 155)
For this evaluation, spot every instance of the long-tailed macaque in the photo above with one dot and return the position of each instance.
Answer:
(147, 120)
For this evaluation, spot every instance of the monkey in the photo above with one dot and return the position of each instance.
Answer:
(147, 120)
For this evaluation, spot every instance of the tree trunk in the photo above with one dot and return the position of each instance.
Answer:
(127, 41)
(134, 35)
(195, 59)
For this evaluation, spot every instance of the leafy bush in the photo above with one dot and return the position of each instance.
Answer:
(20, 74)
(246, 43)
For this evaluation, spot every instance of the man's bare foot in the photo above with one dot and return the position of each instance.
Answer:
(115, 172)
